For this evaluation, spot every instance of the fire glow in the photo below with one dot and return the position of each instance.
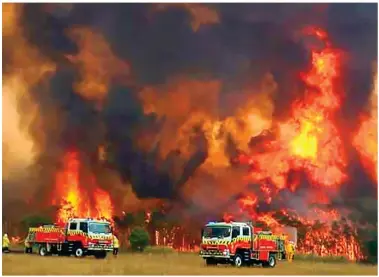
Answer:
(309, 142)
(74, 199)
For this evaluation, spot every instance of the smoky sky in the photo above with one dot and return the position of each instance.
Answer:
(249, 41)
(250, 38)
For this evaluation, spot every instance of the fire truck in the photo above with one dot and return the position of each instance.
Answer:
(240, 243)
(79, 237)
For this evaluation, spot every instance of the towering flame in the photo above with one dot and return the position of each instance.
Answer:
(308, 142)
(76, 200)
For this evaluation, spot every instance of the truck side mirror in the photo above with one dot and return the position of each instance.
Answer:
(202, 233)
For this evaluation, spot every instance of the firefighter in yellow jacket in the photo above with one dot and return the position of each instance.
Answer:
(116, 245)
(290, 251)
(6, 243)
(28, 246)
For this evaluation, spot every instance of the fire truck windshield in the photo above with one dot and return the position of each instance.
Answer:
(217, 232)
(98, 228)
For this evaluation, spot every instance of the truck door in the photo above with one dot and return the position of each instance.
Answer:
(72, 226)
(252, 236)
(247, 235)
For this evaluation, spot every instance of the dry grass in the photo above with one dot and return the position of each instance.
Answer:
(164, 264)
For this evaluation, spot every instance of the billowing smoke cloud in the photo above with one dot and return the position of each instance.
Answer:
(172, 91)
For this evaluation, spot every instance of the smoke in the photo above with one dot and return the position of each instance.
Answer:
(24, 67)
(173, 92)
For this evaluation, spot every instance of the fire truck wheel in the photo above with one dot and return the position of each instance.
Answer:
(42, 251)
(271, 262)
(79, 252)
(238, 261)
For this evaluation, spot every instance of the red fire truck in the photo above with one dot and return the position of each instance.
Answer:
(79, 237)
(240, 243)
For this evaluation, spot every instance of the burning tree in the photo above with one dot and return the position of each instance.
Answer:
(76, 200)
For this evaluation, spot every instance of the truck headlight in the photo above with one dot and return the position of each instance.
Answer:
(225, 252)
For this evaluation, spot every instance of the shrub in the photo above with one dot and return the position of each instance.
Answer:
(139, 239)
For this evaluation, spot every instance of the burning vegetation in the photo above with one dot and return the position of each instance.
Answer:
(76, 200)
(107, 129)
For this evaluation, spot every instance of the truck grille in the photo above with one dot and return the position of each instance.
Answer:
(100, 246)
(214, 252)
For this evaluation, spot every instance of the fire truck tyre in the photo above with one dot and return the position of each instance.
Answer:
(271, 262)
(238, 260)
(42, 251)
(101, 255)
(79, 252)
(210, 261)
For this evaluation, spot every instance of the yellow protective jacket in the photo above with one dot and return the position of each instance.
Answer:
(116, 243)
(27, 243)
(6, 241)
(290, 249)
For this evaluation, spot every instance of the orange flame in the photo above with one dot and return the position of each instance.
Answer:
(74, 199)
(309, 142)
(328, 242)
(15, 240)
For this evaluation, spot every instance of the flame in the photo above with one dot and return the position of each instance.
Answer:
(366, 139)
(74, 199)
(15, 240)
(305, 144)
(309, 142)
(227, 217)
(103, 204)
(329, 242)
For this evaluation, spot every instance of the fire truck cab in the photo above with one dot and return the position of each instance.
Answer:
(240, 243)
(79, 237)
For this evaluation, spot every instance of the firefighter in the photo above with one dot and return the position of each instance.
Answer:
(6, 243)
(116, 245)
(290, 251)
(28, 246)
